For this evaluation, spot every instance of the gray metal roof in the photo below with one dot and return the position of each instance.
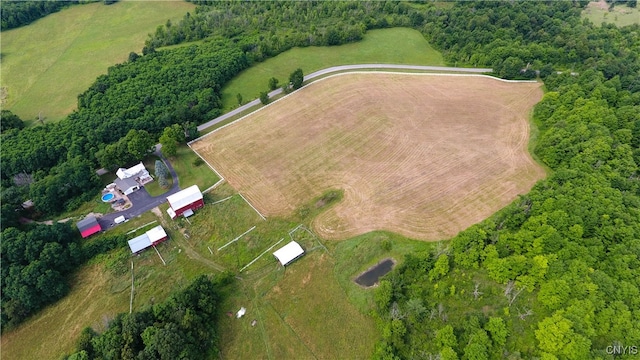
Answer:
(87, 223)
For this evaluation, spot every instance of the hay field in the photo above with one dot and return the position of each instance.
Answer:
(421, 155)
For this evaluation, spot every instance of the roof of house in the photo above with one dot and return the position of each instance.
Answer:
(139, 243)
(288, 253)
(157, 233)
(124, 184)
(123, 173)
(184, 197)
(87, 223)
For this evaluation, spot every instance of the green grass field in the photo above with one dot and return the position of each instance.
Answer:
(48, 63)
(393, 46)
(190, 174)
(621, 15)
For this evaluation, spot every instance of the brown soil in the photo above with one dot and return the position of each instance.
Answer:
(421, 155)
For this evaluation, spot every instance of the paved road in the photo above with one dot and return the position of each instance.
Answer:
(335, 69)
(141, 200)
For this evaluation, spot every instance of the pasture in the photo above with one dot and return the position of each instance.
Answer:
(421, 155)
(47, 64)
(390, 46)
(621, 15)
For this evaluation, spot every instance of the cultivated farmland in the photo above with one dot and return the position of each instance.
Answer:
(422, 155)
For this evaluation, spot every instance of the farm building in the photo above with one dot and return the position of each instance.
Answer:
(88, 226)
(288, 253)
(185, 201)
(150, 238)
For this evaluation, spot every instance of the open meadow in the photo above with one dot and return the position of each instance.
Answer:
(47, 64)
(386, 46)
(421, 155)
(621, 15)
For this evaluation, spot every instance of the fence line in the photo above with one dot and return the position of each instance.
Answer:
(236, 239)
(259, 256)
(256, 210)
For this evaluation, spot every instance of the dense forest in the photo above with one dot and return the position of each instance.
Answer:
(555, 275)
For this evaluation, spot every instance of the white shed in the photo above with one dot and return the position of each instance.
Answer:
(139, 243)
(288, 253)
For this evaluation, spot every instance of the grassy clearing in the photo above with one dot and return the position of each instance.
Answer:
(45, 65)
(190, 174)
(154, 188)
(356, 255)
(395, 46)
(621, 15)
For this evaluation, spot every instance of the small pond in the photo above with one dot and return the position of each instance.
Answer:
(371, 276)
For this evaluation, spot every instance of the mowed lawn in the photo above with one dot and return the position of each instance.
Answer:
(422, 155)
(47, 64)
(390, 46)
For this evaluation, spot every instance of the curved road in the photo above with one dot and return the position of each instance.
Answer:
(340, 68)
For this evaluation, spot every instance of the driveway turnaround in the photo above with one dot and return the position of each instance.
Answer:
(141, 201)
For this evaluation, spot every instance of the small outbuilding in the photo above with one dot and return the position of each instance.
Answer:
(88, 226)
(289, 253)
(185, 201)
(151, 238)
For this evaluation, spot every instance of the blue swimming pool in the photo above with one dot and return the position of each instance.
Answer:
(107, 197)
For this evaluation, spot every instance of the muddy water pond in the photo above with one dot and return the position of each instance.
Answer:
(371, 276)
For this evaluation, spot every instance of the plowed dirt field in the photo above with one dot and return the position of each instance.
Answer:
(421, 155)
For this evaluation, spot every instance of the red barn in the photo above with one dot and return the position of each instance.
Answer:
(88, 226)
(185, 201)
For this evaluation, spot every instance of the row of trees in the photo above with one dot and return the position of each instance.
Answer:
(182, 327)
(556, 274)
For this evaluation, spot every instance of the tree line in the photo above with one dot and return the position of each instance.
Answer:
(18, 13)
(179, 328)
